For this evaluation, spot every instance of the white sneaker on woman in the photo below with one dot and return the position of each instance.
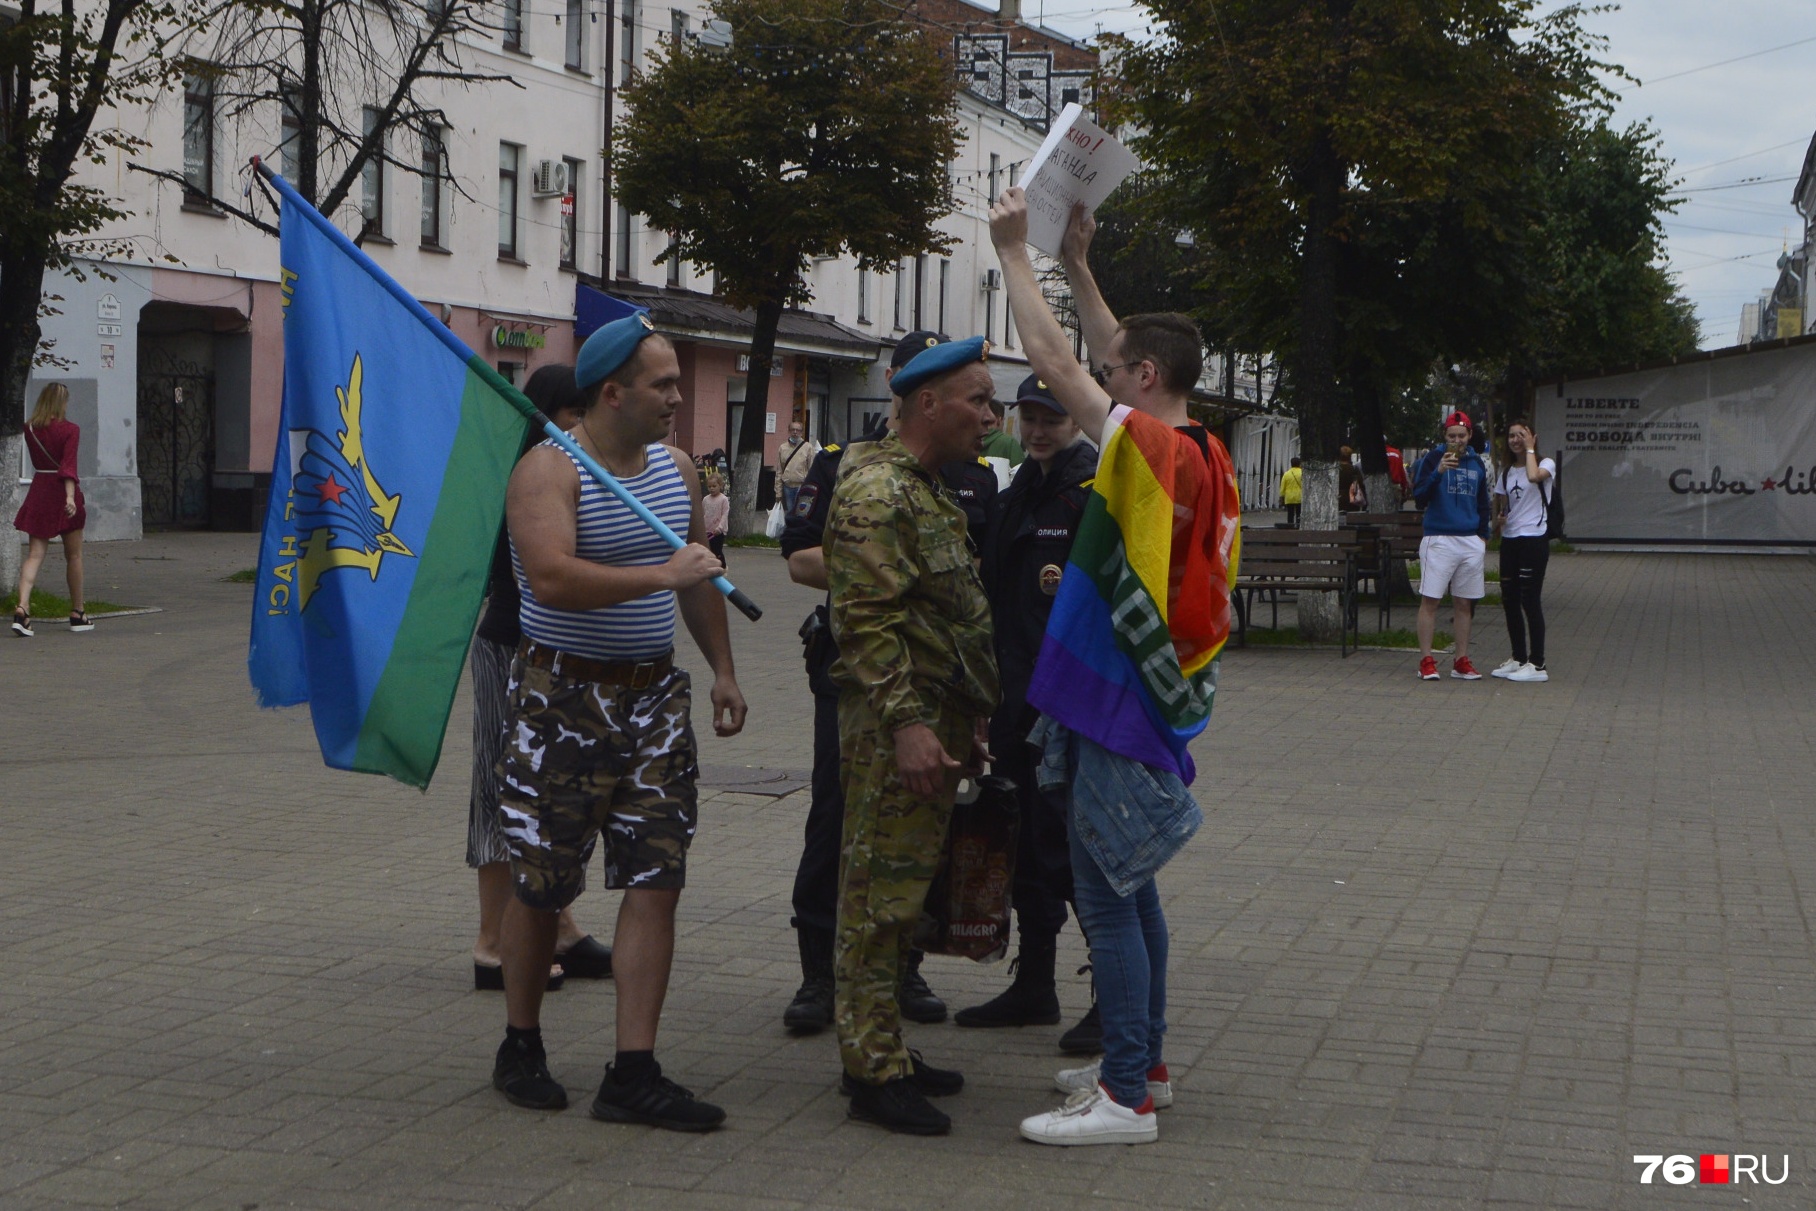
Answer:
(1529, 672)
(1077, 1080)
(1505, 668)
(1092, 1116)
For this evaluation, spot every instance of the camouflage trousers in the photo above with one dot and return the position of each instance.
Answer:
(893, 841)
(583, 759)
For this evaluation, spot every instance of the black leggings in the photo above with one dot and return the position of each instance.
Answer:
(1523, 563)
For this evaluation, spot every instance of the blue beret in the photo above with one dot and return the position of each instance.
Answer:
(1035, 391)
(609, 348)
(929, 364)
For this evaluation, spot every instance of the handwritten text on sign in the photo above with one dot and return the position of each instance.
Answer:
(1077, 163)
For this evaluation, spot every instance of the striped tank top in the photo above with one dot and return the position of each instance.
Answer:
(607, 532)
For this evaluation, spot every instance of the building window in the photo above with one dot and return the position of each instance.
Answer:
(920, 289)
(990, 307)
(627, 42)
(623, 251)
(945, 277)
(996, 169)
(570, 217)
(673, 263)
(576, 36)
(508, 156)
(434, 170)
(290, 126)
(901, 291)
(863, 295)
(198, 138)
(1068, 95)
(512, 26)
(511, 372)
(678, 24)
(372, 180)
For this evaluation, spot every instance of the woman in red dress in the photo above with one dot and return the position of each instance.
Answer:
(53, 507)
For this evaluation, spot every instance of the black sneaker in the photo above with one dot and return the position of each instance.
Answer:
(521, 1073)
(655, 1100)
(915, 1000)
(931, 1081)
(898, 1106)
(1086, 1038)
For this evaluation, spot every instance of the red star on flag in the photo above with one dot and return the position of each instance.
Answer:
(331, 491)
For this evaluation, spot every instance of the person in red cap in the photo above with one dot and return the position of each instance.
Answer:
(1451, 485)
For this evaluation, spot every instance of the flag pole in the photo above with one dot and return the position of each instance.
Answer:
(496, 381)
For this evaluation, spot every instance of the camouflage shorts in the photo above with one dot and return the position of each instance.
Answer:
(582, 758)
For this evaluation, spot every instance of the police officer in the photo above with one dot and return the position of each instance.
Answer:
(1036, 520)
(973, 486)
(917, 682)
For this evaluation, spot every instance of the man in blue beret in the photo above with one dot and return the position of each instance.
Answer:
(600, 741)
(917, 682)
(816, 888)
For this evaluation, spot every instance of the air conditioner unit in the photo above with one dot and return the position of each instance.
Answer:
(993, 279)
(550, 179)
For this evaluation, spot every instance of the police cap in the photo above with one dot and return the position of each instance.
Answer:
(1034, 391)
(913, 343)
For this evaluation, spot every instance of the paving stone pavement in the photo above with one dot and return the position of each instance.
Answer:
(1439, 945)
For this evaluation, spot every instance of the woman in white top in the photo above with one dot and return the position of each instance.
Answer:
(1522, 497)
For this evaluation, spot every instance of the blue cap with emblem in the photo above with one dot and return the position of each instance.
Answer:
(1034, 391)
(609, 348)
(929, 364)
(915, 342)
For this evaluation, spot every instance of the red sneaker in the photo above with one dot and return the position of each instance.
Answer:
(1462, 670)
(1428, 669)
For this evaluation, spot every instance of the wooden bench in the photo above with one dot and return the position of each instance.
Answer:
(1389, 540)
(1298, 561)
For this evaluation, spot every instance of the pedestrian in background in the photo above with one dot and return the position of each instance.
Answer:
(718, 514)
(53, 506)
(1451, 485)
(1292, 492)
(1522, 500)
(793, 457)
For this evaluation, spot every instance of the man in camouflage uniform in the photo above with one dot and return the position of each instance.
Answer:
(918, 680)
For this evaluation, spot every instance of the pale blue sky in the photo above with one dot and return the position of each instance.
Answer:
(1757, 115)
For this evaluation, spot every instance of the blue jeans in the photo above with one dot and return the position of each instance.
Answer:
(1128, 936)
(788, 500)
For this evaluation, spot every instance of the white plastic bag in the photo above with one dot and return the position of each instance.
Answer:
(778, 521)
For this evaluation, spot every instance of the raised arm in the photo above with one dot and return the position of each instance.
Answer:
(1048, 350)
(1093, 313)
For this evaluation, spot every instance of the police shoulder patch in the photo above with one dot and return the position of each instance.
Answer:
(805, 498)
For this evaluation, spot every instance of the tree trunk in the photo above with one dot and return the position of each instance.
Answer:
(19, 336)
(1315, 372)
(747, 462)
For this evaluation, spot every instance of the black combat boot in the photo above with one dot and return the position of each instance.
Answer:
(914, 998)
(1086, 1038)
(1032, 998)
(811, 1010)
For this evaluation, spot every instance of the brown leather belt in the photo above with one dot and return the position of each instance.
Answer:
(637, 674)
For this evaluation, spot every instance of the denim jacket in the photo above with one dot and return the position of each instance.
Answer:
(1130, 817)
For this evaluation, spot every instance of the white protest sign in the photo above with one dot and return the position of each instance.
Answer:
(1077, 163)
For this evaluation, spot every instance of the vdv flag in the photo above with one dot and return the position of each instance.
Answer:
(387, 491)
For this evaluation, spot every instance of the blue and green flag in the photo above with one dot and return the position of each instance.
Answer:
(387, 491)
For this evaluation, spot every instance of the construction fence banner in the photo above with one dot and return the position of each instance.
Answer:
(1720, 451)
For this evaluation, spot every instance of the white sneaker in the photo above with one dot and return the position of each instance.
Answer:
(1529, 672)
(1077, 1080)
(1091, 1116)
(1505, 668)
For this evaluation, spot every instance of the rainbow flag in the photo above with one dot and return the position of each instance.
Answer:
(1129, 658)
(387, 491)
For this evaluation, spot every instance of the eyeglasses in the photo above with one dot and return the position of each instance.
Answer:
(1102, 373)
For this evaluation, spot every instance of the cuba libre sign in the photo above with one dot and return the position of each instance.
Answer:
(505, 338)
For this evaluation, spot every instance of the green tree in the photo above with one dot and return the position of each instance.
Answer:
(59, 69)
(826, 128)
(1322, 152)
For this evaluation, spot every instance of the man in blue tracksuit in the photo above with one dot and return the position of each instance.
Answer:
(1451, 485)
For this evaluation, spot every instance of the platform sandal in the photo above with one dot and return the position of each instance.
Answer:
(79, 621)
(22, 624)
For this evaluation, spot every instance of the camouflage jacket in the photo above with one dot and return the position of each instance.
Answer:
(908, 609)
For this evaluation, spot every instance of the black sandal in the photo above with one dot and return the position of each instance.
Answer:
(22, 624)
(78, 621)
